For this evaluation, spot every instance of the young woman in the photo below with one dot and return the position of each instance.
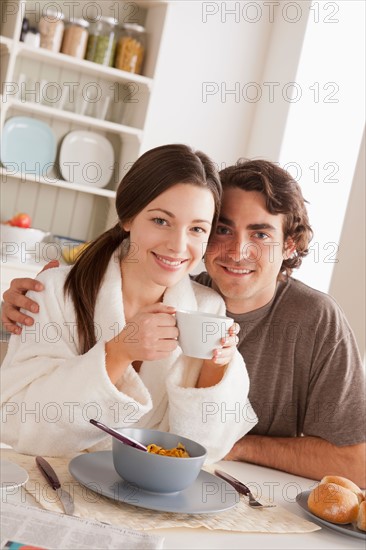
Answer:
(104, 344)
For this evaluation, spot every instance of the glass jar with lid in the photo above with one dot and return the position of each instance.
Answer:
(130, 48)
(102, 41)
(75, 38)
(51, 29)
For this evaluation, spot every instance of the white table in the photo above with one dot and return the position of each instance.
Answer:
(284, 489)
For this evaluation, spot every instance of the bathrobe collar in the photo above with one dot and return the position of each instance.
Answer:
(109, 311)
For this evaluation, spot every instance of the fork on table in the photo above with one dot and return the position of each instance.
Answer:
(243, 489)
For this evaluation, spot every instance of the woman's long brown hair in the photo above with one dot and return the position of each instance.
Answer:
(153, 173)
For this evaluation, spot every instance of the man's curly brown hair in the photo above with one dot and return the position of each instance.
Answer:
(283, 196)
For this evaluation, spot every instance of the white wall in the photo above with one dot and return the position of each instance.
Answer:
(198, 48)
(322, 141)
(348, 278)
(325, 127)
(279, 72)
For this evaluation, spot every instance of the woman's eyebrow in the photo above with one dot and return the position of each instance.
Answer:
(162, 210)
(171, 215)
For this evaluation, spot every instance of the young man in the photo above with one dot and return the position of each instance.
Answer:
(307, 380)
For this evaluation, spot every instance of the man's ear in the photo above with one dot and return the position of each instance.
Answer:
(289, 248)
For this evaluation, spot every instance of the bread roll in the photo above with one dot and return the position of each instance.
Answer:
(344, 482)
(361, 520)
(333, 503)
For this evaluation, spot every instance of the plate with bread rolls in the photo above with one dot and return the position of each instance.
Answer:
(337, 503)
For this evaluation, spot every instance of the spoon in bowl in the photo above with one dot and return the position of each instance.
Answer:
(123, 438)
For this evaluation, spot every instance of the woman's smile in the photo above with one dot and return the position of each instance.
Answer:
(168, 262)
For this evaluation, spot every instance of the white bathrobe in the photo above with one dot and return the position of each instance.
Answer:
(49, 392)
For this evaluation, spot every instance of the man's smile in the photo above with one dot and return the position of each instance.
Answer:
(236, 270)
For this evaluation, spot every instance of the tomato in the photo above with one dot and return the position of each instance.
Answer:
(21, 220)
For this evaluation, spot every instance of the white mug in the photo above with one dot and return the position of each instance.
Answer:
(200, 333)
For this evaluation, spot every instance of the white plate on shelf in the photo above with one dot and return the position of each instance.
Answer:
(86, 158)
(346, 529)
(96, 472)
(11, 475)
(28, 145)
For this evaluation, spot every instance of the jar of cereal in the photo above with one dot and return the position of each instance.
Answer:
(130, 48)
(102, 41)
(51, 29)
(75, 38)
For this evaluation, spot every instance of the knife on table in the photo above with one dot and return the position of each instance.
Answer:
(51, 476)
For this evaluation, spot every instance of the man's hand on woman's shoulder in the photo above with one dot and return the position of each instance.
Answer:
(15, 299)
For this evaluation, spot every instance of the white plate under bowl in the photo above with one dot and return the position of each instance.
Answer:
(86, 158)
(346, 529)
(209, 494)
(11, 475)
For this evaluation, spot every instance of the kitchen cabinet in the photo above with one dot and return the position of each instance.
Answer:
(50, 87)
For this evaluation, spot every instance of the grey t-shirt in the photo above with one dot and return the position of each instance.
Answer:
(305, 370)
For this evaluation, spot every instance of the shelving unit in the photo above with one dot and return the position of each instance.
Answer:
(73, 210)
(92, 122)
(4, 175)
(63, 60)
(8, 42)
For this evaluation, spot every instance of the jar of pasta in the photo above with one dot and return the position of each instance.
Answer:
(75, 38)
(51, 29)
(130, 48)
(102, 41)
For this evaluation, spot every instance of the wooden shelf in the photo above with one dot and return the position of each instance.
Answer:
(56, 183)
(4, 41)
(53, 112)
(5, 45)
(87, 67)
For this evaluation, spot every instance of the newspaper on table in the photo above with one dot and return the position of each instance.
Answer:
(49, 530)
